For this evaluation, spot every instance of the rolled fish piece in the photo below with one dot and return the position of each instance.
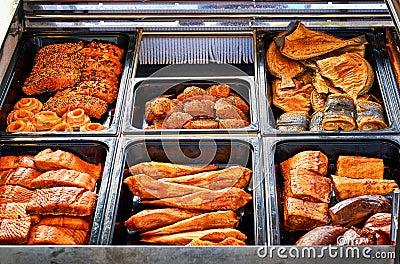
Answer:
(316, 121)
(339, 113)
(370, 116)
(293, 121)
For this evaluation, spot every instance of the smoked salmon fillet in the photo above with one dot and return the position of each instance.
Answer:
(213, 235)
(167, 170)
(235, 176)
(70, 201)
(230, 241)
(13, 162)
(22, 176)
(14, 231)
(156, 218)
(14, 194)
(64, 177)
(55, 235)
(77, 223)
(146, 187)
(212, 220)
(225, 199)
(53, 160)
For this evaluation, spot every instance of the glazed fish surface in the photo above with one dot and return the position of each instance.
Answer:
(70, 201)
(21, 176)
(13, 162)
(14, 194)
(213, 235)
(167, 170)
(146, 187)
(56, 235)
(230, 241)
(59, 159)
(302, 43)
(212, 220)
(235, 176)
(359, 167)
(225, 199)
(149, 219)
(346, 187)
(322, 235)
(64, 177)
(282, 67)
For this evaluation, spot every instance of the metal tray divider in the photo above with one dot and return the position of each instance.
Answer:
(257, 184)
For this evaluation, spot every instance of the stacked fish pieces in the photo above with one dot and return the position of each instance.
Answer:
(217, 106)
(316, 72)
(361, 215)
(47, 198)
(78, 76)
(198, 203)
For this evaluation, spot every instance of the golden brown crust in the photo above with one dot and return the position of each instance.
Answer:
(21, 126)
(218, 90)
(45, 120)
(76, 118)
(62, 127)
(92, 127)
(24, 115)
(31, 104)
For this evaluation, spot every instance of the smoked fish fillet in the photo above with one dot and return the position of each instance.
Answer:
(23, 177)
(13, 211)
(14, 231)
(302, 43)
(13, 162)
(235, 176)
(53, 160)
(213, 235)
(283, 67)
(64, 177)
(225, 199)
(55, 235)
(167, 170)
(212, 220)
(14, 194)
(308, 187)
(146, 187)
(303, 215)
(155, 218)
(350, 72)
(360, 167)
(77, 223)
(309, 162)
(70, 201)
(347, 187)
(229, 241)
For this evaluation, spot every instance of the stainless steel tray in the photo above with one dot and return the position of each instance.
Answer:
(223, 151)
(22, 62)
(280, 149)
(382, 87)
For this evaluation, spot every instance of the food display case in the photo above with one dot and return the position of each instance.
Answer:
(197, 91)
